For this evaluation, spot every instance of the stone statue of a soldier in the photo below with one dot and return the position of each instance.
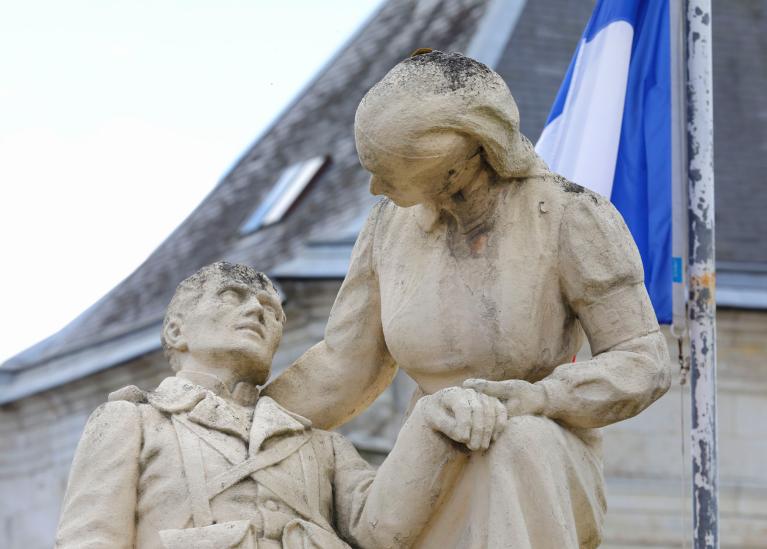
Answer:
(204, 462)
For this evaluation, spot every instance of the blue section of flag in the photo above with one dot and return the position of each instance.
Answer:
(641, 188)
(642, 184)
(610, 11)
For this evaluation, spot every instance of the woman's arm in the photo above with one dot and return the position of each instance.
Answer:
(603, 281)
(340, 376)
(389, 507)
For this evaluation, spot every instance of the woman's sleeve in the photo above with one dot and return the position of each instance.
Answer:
(602, 279)
(390, 507)
(341, 375)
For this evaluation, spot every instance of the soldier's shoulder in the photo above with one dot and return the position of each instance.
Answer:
(135, 398)
(129, 393)
(131, 403)
(113, 413)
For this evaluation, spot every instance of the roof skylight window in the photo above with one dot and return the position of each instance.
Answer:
(283, 195)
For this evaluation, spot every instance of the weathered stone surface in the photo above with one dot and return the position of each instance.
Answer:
(38, 433)
(482, 269)
(203, 461)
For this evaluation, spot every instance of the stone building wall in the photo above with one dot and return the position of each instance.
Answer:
(643, 456)
(38, 436)
(643, 462)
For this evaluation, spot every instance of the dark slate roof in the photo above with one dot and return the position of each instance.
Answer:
(319, 228)
(537, 55)
(740, 130)
(319, 122)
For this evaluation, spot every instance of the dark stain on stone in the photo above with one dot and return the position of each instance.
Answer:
(242, 273)
(570, 187)
(457, 69)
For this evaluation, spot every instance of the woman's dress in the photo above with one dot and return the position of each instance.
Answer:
(511, 302)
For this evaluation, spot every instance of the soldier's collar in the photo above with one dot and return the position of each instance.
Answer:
(270, 420)
(244, 393)
(180, 394)
(177, 395)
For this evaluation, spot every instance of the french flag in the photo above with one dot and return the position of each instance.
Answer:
(610, 128)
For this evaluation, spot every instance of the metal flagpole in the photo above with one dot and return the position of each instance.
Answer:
(702, 275)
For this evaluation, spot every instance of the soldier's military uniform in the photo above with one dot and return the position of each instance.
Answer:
(192, 465)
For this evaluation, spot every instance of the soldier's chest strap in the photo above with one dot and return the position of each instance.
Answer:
(201, 491)
(194, 471)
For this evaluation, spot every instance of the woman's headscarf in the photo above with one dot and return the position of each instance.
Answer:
(445, 92)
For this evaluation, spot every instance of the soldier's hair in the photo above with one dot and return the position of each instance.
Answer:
(191, 289)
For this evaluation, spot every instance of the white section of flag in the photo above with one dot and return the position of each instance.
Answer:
(582, 142)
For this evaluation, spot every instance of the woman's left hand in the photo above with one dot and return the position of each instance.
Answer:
(464, 415)
(520, 397)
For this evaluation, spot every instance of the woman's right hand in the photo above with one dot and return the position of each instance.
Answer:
(518, 396)
(465, 416)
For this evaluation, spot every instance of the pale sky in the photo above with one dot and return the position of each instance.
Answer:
(118, 117)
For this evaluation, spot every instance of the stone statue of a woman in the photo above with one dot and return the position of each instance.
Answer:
(482, 268)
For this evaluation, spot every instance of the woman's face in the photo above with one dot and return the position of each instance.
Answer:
(428, 172)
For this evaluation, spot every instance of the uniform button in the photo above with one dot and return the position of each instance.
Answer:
(271, 505)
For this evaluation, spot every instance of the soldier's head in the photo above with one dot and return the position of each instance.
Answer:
(224, 316)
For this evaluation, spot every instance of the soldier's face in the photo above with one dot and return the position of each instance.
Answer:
(235, 324)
